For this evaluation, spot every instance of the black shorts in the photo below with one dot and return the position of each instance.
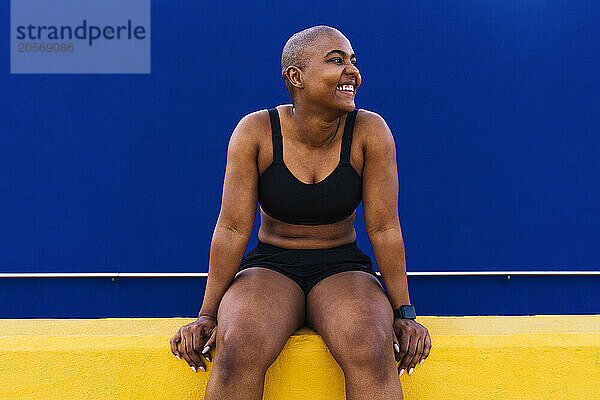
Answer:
(307, 267)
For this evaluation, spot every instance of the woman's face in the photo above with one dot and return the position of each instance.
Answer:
(331, 76)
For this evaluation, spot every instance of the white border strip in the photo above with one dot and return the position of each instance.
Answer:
(205, 274)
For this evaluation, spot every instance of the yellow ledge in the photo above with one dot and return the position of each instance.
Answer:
(487, 357)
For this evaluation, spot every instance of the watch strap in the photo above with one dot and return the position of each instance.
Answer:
(405, 312)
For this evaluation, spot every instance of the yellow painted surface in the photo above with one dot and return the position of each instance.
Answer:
(488, 357)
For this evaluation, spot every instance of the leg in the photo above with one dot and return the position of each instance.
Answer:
(252, 331)
(354, 317)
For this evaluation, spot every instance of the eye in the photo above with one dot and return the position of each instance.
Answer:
(339, 60)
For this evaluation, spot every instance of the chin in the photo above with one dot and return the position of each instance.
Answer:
(349, 107)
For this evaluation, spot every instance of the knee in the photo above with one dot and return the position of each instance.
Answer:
(241, 350)
(366, 349)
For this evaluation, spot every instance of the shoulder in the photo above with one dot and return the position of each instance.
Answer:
(372, 131)
(250, 129)
(252, 124)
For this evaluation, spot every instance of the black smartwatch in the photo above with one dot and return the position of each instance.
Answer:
(406, 312)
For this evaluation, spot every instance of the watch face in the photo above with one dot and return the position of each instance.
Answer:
(409, 312)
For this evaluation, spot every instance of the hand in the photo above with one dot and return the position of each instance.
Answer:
(192, 337)
(414, 344)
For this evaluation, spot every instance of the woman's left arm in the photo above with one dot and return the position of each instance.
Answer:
(380, 209)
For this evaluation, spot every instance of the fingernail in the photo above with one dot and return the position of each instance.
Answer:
(194, 368)
(179, 358)
(401, 372)
(397, 348)
(207, 348)
(207, 359)
(421, 362)
(411, 370)
(202, 368)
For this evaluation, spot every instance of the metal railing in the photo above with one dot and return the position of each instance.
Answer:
(205, 274)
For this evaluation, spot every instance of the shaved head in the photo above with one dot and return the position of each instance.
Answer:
(296, 51)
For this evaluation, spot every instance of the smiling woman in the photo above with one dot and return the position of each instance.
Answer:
(296, 58)
(308, 178)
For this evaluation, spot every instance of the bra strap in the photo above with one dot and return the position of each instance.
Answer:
(347, 138)
(276, 135)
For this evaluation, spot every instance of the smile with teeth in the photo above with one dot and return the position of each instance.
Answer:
(346, 88)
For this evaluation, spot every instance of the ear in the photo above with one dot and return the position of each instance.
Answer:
(294, 76)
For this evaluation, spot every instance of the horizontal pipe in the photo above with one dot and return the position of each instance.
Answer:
(205, 274)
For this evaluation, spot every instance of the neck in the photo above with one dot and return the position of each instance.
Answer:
(315, 128)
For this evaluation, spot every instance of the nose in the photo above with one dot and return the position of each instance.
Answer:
(353, 70)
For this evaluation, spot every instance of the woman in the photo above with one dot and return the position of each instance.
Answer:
(308, 177)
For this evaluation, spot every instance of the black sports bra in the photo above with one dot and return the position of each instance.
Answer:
(283, 197)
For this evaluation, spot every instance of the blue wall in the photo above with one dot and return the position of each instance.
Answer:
(493, 105)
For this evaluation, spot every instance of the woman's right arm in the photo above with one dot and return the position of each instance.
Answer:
(238, 211)
(230, 238)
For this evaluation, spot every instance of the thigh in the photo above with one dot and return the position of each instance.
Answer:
(259, 311)
(352, 314)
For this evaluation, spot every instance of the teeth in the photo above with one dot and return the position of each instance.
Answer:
(347, 88)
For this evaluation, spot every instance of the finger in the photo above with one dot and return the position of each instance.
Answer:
(196, 343)
(198, 348)
(184, 351)
(408, 354)
(404, 347)
(419, 350)
(210, 343)
(396, 348)
(176, 338)
(206, 355)
(426, 348)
